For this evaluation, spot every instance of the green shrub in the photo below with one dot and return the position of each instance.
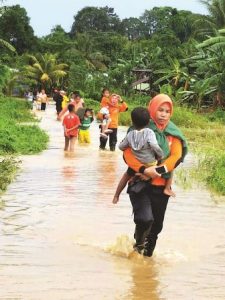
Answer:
(8, 168)
(217, 115)
(90, 103)
(16, 138)
(216, 173)
(185, 117)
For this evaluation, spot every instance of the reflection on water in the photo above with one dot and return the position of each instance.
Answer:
(144, 282)
(61, 237)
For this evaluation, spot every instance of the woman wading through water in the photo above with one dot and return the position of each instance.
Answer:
(149, 201)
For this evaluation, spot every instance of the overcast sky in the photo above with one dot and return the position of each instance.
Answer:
(45, 14)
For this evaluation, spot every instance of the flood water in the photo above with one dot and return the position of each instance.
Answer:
(61, 238)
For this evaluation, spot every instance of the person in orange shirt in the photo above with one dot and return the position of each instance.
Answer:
(143, 143)
(77, 102)
(71, 123)
(115, 105)
(149, 200)
(105, 97)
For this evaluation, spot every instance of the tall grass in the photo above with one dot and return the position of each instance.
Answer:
(206, 140)
(217, 115)
(15, 110)
(8, 169)
(17, 138)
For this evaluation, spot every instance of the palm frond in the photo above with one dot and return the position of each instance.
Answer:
(7, 45)
(212, 41)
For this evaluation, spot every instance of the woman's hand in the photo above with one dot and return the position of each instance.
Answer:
(151, 172)
(142, 176)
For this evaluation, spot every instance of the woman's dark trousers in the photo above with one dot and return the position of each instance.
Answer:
(112, 140)
(149, 207)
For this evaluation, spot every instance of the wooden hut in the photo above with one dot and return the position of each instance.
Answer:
(143, 81)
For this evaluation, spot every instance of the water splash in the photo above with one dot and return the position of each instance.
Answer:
(122, 247)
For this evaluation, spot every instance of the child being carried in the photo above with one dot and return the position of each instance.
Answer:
(105, 122)
(143, 143)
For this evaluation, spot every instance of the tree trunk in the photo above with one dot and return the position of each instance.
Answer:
(186, 86)
(219, 100)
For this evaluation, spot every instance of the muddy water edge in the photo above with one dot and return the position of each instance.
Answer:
(61, 238)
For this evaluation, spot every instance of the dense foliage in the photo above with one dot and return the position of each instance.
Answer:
(183, 51)
(15, 136)
(8, 168)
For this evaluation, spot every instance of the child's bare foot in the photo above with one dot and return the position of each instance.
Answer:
(115, 199)
(169, 192)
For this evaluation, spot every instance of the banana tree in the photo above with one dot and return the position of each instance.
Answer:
(210, 63)
(174, 74)
(215, 41)
(199, 91)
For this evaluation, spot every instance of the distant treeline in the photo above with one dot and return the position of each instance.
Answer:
(184, 52)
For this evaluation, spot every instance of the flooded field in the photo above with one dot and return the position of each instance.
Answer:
(62, 238)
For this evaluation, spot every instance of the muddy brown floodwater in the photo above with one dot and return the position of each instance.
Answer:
(61, 238)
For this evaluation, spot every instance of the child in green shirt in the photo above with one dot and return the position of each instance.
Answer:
(84, 133)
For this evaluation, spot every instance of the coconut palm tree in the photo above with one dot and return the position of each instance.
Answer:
(45, 70)
(208, 25)
(216, 10)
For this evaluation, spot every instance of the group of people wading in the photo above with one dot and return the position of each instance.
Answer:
(77, 118)
(152, 149)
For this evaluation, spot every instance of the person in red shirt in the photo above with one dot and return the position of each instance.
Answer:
(71, 122)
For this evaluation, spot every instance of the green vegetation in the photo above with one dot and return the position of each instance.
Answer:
(8, 169)
(183, 52)
(206, 140)
(205, 134)
(17, 137)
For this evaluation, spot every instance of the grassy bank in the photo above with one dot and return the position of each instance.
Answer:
(206, 140)
(205, 134)
(8, 169)
(17, 137)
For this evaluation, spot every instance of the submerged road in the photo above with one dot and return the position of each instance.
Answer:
(61, 238)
